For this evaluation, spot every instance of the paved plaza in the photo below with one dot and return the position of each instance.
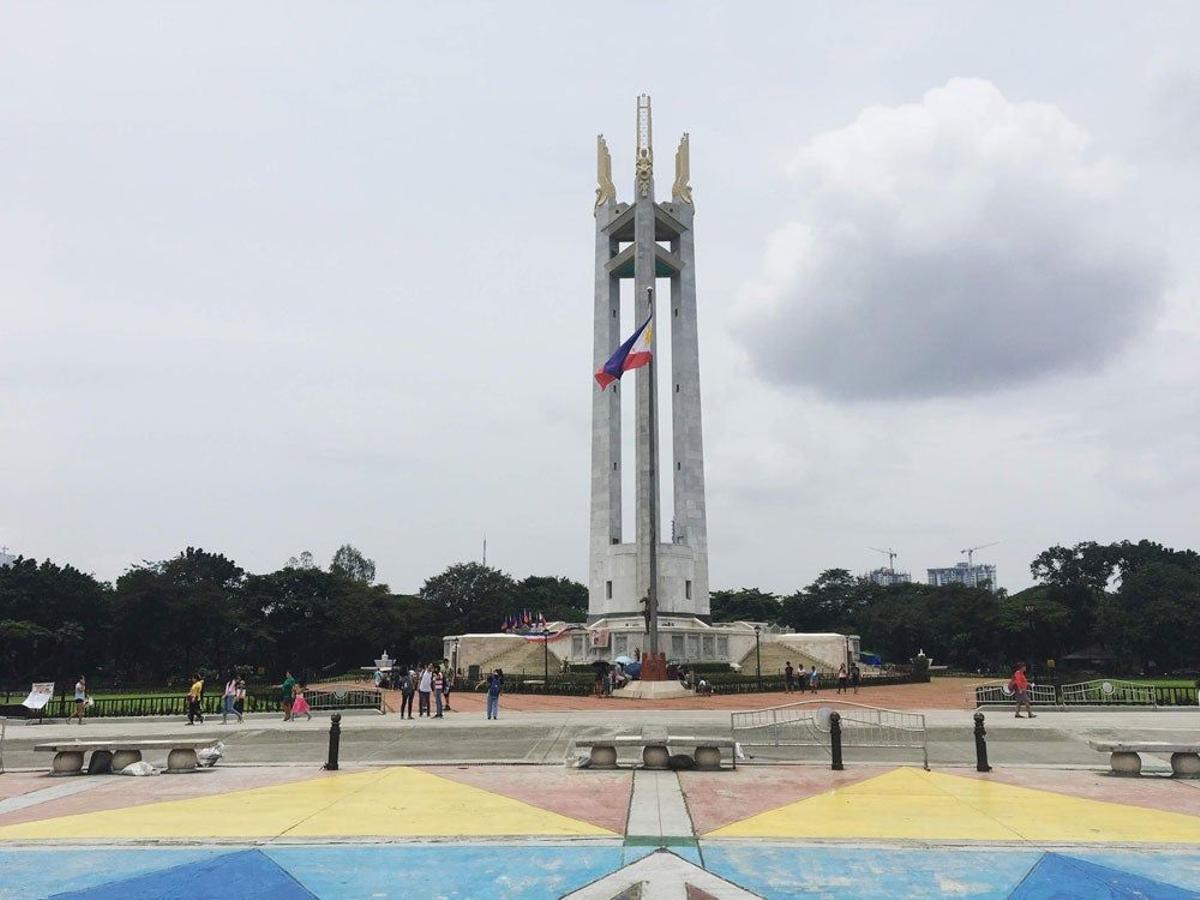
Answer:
(468, 808)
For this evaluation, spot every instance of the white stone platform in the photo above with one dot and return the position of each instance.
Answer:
(653, 690)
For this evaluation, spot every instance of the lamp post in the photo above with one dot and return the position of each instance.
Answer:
(758, 654)
(545, 658)
(453, 659)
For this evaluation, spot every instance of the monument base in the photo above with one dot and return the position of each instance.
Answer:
(653, 690)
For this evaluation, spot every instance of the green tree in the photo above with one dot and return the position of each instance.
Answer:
(469, 597)
(350, 562)
(746, 604)
(558, 599)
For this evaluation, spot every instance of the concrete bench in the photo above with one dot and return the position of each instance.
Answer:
(1125, 758)
(656, 750)
(113, 756)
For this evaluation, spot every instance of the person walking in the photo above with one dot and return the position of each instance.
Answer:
(1020, 687)
(239, 698)
(229, 700)
(195, 695)
(424, 686)
(855, 676)
(300, 706)
(495, 684)
(81, 699)
(789, 677)
(814, 680)
(287, 694)
(439, 686)
(843, 678)
(408, 687)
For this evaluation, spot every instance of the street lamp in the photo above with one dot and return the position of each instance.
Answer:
(545, 659)
(758, 654)
(454, 658)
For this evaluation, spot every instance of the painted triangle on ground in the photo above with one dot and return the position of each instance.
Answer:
(231, 876)
(391, 802)
(595, 796)
(1058, 876)
(911, 804)
(662, 874)
(715, 802)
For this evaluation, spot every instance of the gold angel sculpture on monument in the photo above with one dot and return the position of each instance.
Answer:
(606, 191)
(681, 190)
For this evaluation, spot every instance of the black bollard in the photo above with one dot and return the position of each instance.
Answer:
(335, 737)
(981, 760)
(835, 740)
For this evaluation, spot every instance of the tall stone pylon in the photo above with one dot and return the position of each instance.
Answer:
(631, 244)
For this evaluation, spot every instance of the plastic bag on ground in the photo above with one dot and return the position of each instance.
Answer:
(139, 768)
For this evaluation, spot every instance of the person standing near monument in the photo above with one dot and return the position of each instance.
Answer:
(495, 684)
(424, 686)
(287, 692)
(843, 677)
(855, 676)
(814, 679)
(408, 687)
(448, 674)
(789, 677)
(300, 706)
(239, 697)
(439, 687)
(1020, 688)
(80, 699)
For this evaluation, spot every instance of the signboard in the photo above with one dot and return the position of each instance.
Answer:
(39, 695)
(599, 637)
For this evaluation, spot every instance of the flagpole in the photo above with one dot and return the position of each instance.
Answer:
(652, 595)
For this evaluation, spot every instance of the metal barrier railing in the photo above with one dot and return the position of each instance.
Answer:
(998, 693)
(1106, 692)
(806, 724)
(344, 698)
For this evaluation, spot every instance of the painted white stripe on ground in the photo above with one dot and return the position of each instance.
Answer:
(657, 808)
(65, 789)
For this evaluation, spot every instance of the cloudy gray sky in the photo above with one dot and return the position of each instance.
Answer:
(278, 276)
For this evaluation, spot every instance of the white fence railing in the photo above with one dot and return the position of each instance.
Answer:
(344, 698)
(1106, 692)
(998, 693)
(806, 724)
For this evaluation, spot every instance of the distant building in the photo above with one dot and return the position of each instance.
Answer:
(887, 577)
(980, 575)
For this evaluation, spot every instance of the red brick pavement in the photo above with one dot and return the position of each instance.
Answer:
(940, 693)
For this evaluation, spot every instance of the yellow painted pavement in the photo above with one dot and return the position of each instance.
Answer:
(393, 802)
(911, 804)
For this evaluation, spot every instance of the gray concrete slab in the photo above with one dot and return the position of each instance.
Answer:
(543, 737)
(656, 808)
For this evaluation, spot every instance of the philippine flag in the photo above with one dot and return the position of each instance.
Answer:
(633, 354)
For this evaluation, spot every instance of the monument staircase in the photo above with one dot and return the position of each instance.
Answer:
(524, 659)
(775, 657)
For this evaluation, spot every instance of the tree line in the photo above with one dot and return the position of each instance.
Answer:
(160, 621)
(200, 611)
(1136, 602)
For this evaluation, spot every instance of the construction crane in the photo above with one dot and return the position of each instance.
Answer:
(970, 551)
(890, 554)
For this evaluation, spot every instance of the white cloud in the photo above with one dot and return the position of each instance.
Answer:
(949, 247)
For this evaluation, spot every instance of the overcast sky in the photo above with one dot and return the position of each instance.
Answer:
(274, 277)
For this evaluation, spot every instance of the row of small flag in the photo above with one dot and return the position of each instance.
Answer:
(523, 619)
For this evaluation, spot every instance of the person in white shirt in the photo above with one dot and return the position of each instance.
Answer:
(80, 698)
(424, 689)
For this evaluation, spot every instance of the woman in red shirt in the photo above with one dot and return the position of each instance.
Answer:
(1020, 686)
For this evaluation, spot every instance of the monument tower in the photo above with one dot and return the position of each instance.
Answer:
(649, 244)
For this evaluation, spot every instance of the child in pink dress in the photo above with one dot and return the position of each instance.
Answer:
(300, 706)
